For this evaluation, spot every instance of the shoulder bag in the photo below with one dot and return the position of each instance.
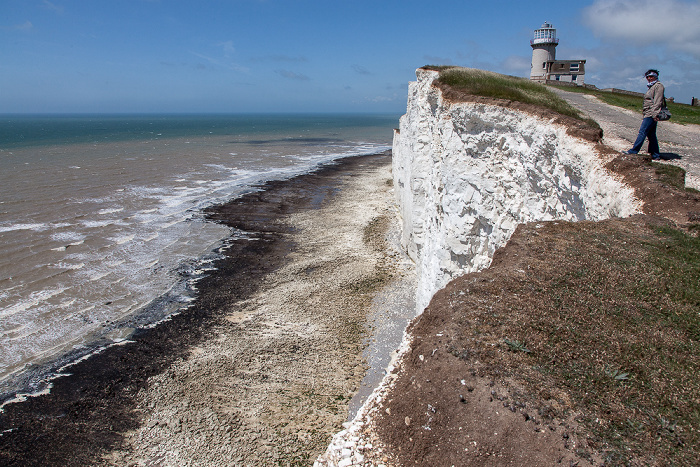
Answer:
(664, 114)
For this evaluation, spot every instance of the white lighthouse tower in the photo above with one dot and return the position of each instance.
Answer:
(543, 51)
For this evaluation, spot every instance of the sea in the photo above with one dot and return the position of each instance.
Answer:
(101, 218)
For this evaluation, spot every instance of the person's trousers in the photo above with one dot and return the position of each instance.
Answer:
(647, 130)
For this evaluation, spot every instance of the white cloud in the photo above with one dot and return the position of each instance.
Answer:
(642, 34)
(378, 99)
(219, 63)
(211, 60)
(53, 7)
(278, 58)
(668, 23)
(517, 65)
(435, 60)
(359, 69)
(292, 75)
(26, 26)
(228, 47)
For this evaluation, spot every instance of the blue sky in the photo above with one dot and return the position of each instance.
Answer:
(316, 55)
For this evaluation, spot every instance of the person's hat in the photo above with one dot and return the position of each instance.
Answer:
(652, 72)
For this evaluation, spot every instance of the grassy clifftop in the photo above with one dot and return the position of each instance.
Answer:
(487, 84)
(466, 84)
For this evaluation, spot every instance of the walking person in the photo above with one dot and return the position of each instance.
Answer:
(653, 101)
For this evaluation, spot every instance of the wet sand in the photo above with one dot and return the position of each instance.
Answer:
(262, 367)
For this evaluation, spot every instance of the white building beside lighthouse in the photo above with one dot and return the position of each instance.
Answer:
(545, 67)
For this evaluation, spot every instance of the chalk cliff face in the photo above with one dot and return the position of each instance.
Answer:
(466, 174)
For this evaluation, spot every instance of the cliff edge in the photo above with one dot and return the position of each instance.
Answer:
(467, 173)
(540, 262)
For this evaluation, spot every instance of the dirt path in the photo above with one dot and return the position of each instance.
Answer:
(680, 144)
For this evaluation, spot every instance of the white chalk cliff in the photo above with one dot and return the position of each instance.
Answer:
(465, 175)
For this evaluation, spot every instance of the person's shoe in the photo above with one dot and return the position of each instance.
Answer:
(630, 152)
(655, 157)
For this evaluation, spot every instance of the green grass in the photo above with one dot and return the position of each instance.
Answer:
(636, 372)
(672, 175)
(681, 113)
(493, 85)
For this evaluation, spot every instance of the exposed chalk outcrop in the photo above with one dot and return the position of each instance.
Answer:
(465, 175)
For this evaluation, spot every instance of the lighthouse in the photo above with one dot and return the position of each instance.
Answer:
(545, 67)
(544, 49)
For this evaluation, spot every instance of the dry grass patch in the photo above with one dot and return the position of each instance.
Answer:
(600, 320)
